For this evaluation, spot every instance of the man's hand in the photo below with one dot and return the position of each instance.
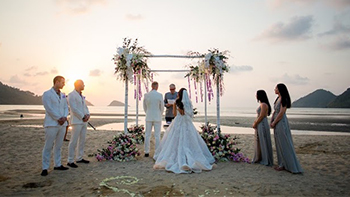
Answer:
(62, 120)
(169, 105)
(86, 117)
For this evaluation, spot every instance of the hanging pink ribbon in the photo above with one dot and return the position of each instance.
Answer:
(134, 85)
(152, 77)
(189, 86)
(195, 90)
(139, 84)
(201, 91)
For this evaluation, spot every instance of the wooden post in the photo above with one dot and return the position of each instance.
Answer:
(126, 107)
(205, 99)
(218, 105)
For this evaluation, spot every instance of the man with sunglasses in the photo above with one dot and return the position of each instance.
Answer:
(169, 100)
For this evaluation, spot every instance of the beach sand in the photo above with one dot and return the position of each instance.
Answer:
(325, 160)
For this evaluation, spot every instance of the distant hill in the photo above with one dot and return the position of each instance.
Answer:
(342, 101)
(317, 99)
(14, 96)
(116, 103)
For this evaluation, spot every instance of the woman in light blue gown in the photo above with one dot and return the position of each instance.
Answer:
(182, 149)
(263, 148)
(286, 156)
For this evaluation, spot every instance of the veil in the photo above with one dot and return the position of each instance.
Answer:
(187, 104)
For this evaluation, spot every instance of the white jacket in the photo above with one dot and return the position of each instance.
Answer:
(55, 108)
(153, 105)
(78, 108)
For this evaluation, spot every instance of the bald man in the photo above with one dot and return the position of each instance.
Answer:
(79, 116)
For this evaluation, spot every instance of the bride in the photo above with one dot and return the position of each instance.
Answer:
(182, 149)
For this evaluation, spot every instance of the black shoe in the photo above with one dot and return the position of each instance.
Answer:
(60, 168)
(83, 161)
(44, 173)
(146, 154)
(72, 165)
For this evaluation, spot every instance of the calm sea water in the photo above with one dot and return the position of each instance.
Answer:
(211, 111)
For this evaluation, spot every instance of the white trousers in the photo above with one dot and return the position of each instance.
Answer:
(78, 135)
(53, 139)
(149, 125)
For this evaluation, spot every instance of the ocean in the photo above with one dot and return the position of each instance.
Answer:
(314, 119)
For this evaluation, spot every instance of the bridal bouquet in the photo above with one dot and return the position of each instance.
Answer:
(136, 132)
(121, 148)
(222, 147)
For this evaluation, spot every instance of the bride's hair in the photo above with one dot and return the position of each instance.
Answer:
(179, 103)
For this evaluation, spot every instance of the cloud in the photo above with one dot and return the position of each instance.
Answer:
(243, 68)
(78, 6)
(338, 36)
(95, 73)
(31, 69)
(15, 79)
(132, 17)
(277, 4)
(295, 79)
(338, 28)
(298, 28)
(41, 73)
(339, 43)
(54, 71)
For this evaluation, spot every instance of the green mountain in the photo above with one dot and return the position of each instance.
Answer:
(317, 99)
(342, 101)
(15, 96)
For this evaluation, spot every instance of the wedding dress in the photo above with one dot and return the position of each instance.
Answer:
(182, 149)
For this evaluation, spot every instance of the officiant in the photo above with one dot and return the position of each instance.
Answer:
(169, 100)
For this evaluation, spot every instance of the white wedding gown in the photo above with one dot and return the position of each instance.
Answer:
(182, 149)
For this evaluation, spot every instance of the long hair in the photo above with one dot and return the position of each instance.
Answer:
(179, 103)
(262, 97)
(285, 98)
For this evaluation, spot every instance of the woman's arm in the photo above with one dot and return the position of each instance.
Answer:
(279, 116)
(174, 110)
(262, 114)
(182, 112)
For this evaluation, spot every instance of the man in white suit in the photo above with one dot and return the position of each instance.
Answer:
(56, 112)
(153, 106)
(79, 115)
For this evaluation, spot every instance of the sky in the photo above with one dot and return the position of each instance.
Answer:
(304, 44)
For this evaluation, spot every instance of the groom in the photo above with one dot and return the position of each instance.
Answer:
(153, 105)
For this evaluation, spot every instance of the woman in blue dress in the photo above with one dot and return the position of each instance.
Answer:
(286, 156)
(263, 148)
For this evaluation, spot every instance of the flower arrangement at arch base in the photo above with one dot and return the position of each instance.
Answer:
(222, 147)
(121, 148)
(137, 132)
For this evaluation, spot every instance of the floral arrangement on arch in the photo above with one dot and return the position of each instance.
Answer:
(130, 60)
(121, 148)
(222, 147)
(137, 132)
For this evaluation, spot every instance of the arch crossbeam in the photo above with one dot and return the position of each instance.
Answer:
(176, 56)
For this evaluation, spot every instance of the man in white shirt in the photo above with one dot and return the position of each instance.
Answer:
(153, 106)
(79, 115)
(55, 122)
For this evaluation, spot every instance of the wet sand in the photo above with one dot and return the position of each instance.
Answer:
(323, 158)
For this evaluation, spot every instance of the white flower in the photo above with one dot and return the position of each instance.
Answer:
(207, 59)
(128, 59)
(120, 51)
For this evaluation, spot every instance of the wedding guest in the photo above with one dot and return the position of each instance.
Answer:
(263, 148)
(286, 155)
(169, 99)
(153, 106)
(55, 122)
(79, 116)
